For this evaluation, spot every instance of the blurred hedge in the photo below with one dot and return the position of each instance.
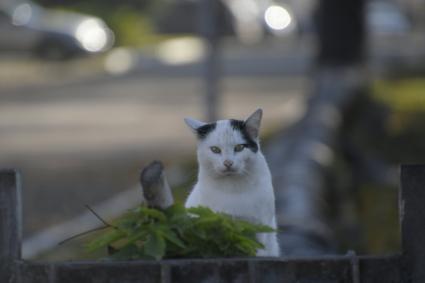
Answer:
(130, 20)
(136, 4)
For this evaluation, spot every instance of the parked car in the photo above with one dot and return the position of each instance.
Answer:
(248, 20)
(383, 17)
(53, 34)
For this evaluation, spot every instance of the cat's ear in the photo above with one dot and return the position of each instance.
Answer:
(193, 124)
(253, 122)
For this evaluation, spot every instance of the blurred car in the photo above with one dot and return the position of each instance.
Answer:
(257, 18)
(383, 17)
(248, 20)
(52, 34)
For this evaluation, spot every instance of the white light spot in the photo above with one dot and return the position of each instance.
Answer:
(91, 35)
(277, 17)
(120, 61)
(181, 51)
(22, 15)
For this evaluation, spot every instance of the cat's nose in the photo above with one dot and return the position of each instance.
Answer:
(228, 163)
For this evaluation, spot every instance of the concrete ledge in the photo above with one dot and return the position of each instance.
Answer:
(374, 269)
(251, 270)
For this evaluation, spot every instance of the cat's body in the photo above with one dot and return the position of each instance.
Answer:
(233, 174)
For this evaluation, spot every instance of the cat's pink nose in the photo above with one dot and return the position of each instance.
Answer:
(228, 163)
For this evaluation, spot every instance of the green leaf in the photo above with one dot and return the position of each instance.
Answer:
(138, 236)
(110, 237)
(130, 222)
(180, 232)
(126, 252)
(201, 211)
(264, 229)
(173, 238)
(155, 246)
(200, 233)
(153, 213)
(175, 210)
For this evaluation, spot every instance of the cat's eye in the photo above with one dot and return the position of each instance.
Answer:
(215, 149)
(239, 147)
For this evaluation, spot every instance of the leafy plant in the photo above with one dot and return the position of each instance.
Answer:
(147, 233)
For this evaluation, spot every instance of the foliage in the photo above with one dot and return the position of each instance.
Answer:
(133, 28)
(131, 21)
(175, 232)
(388, 130)
(404, 136)
(378, 216)
(401, 94)
(139, 5)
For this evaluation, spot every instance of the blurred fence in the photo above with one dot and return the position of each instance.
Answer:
(404, 267)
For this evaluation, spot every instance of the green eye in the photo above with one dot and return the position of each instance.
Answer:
(215, 149)
(239, 147)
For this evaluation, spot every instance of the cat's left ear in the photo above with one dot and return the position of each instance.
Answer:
(253, 122)
(194, 124)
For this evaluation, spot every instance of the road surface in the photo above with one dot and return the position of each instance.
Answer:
(81, 142)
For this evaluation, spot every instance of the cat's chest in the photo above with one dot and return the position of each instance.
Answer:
(254, 204)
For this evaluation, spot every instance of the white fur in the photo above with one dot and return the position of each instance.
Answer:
(246, 192)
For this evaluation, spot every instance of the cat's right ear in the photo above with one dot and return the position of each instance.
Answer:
(253, 122)
(193, 124)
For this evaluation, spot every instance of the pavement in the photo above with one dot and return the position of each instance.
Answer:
(134, 113)
(80, 135)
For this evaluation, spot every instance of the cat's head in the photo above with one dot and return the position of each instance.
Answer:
(227, 147)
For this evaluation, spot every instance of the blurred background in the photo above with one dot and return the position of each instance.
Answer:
(92, 91)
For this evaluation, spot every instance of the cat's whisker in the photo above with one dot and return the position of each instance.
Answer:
(245, 171)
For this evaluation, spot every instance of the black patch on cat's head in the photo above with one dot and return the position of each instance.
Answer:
(240, 126)
(203, 131)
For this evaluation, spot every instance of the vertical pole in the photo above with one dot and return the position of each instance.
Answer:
(341, 32)
(10, 223)
(210, 32)
(412, 214)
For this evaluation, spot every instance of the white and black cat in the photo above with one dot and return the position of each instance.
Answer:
(233, 174)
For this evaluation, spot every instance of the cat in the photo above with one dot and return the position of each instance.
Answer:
(233, 176)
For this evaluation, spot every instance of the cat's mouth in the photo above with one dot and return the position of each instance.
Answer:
(228, 172)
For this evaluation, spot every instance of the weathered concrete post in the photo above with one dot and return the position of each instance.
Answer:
(10, 224)
(412, 213)
(209, 30)
(156, 191)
